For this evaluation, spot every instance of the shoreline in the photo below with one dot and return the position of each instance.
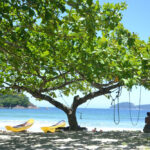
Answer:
(115, 129)
(98, 130)
(36, 127)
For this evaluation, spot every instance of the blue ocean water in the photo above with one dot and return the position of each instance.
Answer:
(87, 117)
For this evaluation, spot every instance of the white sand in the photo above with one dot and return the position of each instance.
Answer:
(5, 137)
(65, 140)
(105, 140)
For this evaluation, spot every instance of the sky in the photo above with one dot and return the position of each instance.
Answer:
(136, 19)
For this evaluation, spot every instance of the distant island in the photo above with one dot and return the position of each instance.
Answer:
(15, 101)
(127, 105)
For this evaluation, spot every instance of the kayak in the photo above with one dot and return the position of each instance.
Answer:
(20, 127)
(54, 127)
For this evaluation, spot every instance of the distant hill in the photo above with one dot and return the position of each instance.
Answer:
(147, 106)
(125, 105)
(15, 101)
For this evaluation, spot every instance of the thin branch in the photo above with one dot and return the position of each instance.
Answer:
(13, 44)
(6, 51)
(45, 79)
(61, 86)
(100, 86)
(94, 84)
(61, 75)
(145, 80)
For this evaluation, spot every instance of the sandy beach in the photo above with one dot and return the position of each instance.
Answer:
(112, 137)
(83, 140)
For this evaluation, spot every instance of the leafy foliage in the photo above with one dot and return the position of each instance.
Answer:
(14, 100)
(46, 44)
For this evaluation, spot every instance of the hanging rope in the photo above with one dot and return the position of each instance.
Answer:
(118, 112)
(80, 114)
(84, 108)
(116, 121)
(63, 99)
(138, 117)
(88, 103)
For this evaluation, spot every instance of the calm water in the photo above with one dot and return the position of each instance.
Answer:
(88, 117)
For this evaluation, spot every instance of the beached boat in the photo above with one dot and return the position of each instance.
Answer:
(54, 127)
(20, 127)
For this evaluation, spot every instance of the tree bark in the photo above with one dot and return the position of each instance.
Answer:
(72, 120)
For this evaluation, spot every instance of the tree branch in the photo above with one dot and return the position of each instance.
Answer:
(100, 86)
(94, 84)
(37, 94)
(6, 51)
(13, 44)
(61, 86)
(78, 101)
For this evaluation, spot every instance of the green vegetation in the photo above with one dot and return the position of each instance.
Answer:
(68, 46)
(14, 100)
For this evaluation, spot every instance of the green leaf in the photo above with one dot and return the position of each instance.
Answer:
(47, 15)
(25, 8)
(45, 54)
(89, 2)
(31, 12)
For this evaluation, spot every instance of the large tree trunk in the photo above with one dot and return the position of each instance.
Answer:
(72, 120)
(77, 101)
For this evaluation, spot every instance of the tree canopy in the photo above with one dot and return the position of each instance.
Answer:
(69, 46)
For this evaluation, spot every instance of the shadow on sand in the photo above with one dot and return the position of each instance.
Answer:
(75, 140)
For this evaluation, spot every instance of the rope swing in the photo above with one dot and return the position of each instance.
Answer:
(138, 117)
(116, 121)
(81, 113)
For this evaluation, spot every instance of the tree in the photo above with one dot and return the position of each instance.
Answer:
(66, 46)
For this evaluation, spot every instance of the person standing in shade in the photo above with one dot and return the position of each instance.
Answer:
(147, 123)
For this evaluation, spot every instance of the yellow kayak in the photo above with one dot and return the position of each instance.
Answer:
(55, 127)
(21, 127)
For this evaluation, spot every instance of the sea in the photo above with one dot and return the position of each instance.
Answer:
(101, 119)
